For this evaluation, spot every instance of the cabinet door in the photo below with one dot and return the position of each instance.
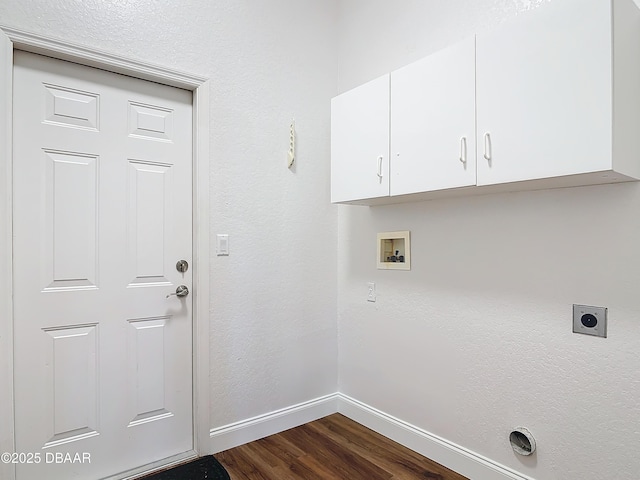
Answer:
(544, 93)
(433, 122)
(360, 142)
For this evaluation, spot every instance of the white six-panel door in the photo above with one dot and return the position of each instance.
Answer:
(102, 213)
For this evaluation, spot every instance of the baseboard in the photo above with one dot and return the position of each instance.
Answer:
(452, 456)
(455, 457)
(245, 431)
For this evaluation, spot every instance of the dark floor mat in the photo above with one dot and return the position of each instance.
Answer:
(200, 469)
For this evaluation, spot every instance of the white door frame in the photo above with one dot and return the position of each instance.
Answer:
(11, 40)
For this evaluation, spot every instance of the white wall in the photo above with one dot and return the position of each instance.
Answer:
(476, 339)
(273, 308)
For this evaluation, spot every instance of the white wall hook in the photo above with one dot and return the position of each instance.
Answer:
(291, 154)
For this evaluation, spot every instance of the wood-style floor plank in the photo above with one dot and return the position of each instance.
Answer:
(332, 448)
(385, 453)
(341, 461)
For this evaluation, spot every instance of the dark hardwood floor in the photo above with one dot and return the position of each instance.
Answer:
(333, 447)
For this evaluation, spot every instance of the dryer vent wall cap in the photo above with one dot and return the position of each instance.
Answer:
(522, 441)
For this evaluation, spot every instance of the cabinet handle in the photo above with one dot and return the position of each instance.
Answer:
(487, 147)
(380, 167)
(463, 149)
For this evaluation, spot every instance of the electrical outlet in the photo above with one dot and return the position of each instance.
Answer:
(590, 320)
(371, 292)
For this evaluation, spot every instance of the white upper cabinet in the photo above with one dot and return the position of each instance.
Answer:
(360, 142)
(433, 122)
(549, 99)
(545, 91)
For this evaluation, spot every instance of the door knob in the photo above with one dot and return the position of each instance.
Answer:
(181, 291)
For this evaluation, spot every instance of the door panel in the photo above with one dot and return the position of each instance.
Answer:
(102, 213)
(71, 383)
(146, 369)
(149, 221)
(70, 230)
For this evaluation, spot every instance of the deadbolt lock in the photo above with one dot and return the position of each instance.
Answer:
(182, 266)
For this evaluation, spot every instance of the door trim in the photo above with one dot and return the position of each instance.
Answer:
(11, 40)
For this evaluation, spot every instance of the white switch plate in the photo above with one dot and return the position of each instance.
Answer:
(222, 244)
(371, 292)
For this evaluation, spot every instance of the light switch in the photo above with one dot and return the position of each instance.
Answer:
(222, 244)
(371, 292)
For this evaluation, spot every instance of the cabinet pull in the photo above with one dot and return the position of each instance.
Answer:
(487, 147)
(463, 149)
(380, 167)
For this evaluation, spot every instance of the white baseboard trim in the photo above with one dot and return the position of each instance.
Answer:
(245, 431)
(455, 457)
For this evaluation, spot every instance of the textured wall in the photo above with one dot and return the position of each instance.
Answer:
(273, 308)
(476, 339)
